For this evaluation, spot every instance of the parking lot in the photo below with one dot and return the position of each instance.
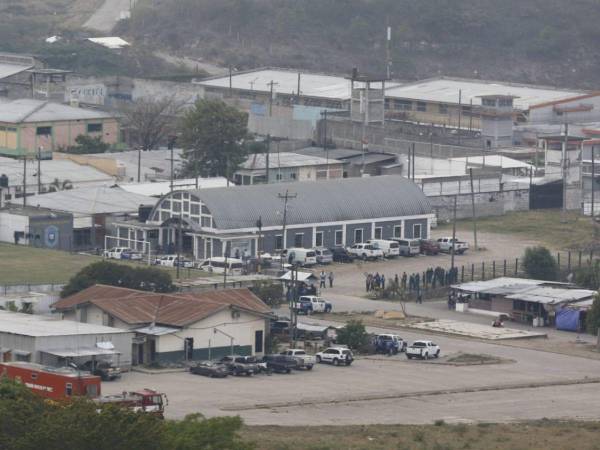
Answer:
(389, 390)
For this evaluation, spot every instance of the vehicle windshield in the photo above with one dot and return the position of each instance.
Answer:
(419, 344)
(346, 352)
(394, 245)
(310, 254)
(414, 243)
(300, 352)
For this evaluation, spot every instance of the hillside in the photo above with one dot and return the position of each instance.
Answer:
(539, 41)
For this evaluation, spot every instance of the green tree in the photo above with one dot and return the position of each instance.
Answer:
(196, 432)
(588, 276)
(593, 316)
(88, 144)
(269, 292)
(212, 135)
(539, 264)
(105, 272)
(354, 335)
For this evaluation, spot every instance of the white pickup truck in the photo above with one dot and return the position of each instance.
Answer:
(423, 350)
(309, 304)
(305, 361)
(446, 245)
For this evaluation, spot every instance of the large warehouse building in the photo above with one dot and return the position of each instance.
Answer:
(326, 213)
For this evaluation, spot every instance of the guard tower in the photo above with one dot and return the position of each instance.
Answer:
(367, 104)
(497, 120)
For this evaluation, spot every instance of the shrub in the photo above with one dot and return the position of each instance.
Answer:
(354, 335)
(539, 264)
(593, 316)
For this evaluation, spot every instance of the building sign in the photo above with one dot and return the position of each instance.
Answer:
(51, 236)
(92, 94)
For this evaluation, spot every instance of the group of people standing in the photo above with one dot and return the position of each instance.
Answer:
(374, 282)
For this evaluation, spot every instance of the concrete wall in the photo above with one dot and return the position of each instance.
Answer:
(281, 127)
(486, 204)
(546, 114)
(170, 347)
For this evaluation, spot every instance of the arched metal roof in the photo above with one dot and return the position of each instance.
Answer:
(315, 202)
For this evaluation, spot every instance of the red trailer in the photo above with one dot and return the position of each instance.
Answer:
(52, 382)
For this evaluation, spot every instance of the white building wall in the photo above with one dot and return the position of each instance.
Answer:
(242, 328)
(9, 223)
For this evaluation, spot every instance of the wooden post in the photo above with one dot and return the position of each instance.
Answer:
(558, 260)
(580, 255)
(504, 272)
(516, 266)
(569, 261)
(494, 269)
(483, 271)
(462, 274)
(472, 272)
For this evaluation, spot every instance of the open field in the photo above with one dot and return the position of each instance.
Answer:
(577, 233)
(28, 265)
(538, 435)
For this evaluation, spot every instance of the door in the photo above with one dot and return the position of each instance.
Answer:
(189, 348)
(258, 341)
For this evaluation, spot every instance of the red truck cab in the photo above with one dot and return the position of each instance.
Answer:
(52, 382)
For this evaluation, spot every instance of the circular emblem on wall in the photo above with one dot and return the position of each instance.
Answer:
(51, 236)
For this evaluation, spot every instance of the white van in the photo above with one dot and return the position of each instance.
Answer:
(302, 256)
(409, 247)
(218, 264)
(390, 249)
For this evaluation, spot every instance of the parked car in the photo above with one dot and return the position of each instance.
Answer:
(340, 254)
(389, 344)
(210, 369)
(429, 247)
(335, 356)
(365, 251)
(173, 261)
(115, 252)
(280, 327)
(237, 365)
(308, 304)
(103, 369)
(304, 360)
(132, 255)
(280, 363)
(305, 257)
(423, 350)
(446, 245)
(260, 364)
(324, 255)
(409, 247)
(390, 249)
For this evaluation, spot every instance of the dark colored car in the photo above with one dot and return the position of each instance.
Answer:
(340, 254)
(103, 369)
(238, 365)
(210, 369)
(280, 363)
(429, 247)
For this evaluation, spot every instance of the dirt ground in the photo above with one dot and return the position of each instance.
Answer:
(541, 435)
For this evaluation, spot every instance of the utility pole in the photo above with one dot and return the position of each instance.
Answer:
(271, 85)
(179, 244)
(563, 165)
(473, 207)
(459, 113)
(170, 146)
(593, 182)
(453, 232)
(267, 168)
(139, 167)
(259, 245)
(25, 180)
(230, 80)
(226, 251)
(413, 161)
(389, 52)
(325, 149)
(286, 198)
(39, 170)
(298, 92)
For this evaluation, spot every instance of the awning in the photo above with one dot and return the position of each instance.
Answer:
(156, 330)
(81, 352)
(302, 276)
(21, 353)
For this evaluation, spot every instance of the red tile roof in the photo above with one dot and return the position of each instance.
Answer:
(140, 307)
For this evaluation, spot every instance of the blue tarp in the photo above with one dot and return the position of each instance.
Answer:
(567, 319)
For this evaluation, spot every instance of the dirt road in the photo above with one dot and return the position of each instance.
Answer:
(107, 16)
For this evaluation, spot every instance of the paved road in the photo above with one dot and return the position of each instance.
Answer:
(107, 16)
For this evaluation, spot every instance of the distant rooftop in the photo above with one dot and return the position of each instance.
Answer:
(42, 326)
(29, 110)
(60, 169)
(164, 187)
(112, 42)
(259, 161)
(446, 90)
(494, 161)
(311, 84)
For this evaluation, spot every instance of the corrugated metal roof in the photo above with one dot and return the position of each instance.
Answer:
(259, 161)
(92, 200)
(445, 90)
(29, 110)
(315, 202)
(164, 187)
(8, 70)
(177, 310)
(502, 285)
(42, 326)
(551, 295)
(51, 170)
(112, 42)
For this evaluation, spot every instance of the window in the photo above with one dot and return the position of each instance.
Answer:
(278, 242)
(443, 109)
(206, 222)
(43, 131)
(339, 238)
(421, 106)
(298, 240)
(358, 235)
(68, 389)
(278, 177)
(94, 128)
(403, 105)
(34, 376)
(398, 231)
(378, 232)
(91, 390)
(488, 101)
(505, 102)
(293, 176)
(417, 231)
(195, 209)
(319, 239)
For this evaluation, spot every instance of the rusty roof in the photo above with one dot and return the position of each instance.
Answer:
(140, 307)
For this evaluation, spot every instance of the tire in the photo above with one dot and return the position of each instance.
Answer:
(309, 367)
(336, 362)
(288, 370)
(364, 256)
(409, 356)
(318, 359)
(425, 356)
(437, 354)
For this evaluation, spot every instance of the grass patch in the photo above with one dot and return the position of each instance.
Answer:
(28, 265)
(536, 435)
(577, 233)
(473, 359)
